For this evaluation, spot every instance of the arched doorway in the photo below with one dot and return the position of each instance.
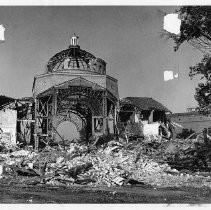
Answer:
(67, 130)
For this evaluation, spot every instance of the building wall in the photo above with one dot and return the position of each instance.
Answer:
(44, 82)
(112, 86)
(8, 123)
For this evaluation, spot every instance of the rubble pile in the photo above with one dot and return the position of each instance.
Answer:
(191, 154)
(111, 164)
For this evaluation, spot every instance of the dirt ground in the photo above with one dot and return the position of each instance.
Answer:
(84, 194)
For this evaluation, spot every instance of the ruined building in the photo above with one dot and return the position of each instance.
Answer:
(16, 120)
(74, 88)
(142, 116)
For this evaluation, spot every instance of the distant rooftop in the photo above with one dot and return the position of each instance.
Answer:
(190, 113)
(144, 103)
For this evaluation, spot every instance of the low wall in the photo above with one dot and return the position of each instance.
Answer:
(8, 124)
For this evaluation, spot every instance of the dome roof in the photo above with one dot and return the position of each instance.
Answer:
(75, 58)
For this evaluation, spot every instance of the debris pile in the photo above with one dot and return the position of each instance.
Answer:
(191, 154)
(111, 164)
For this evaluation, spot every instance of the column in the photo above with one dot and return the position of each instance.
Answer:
(54, 109)
(36, 125)
(93, 126)
(54, 101)
(105, 112)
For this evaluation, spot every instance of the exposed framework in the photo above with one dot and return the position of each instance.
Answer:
(73, 58)
(25, 118)
(87, 108)
(81, 99)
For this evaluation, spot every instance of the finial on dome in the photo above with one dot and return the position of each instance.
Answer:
(74, 40)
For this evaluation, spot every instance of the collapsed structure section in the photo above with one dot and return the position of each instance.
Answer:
(75, 88)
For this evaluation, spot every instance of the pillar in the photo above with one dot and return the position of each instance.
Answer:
(93, 125)
(105, 112)
(54, 110)
(36, 125)
(54, 101)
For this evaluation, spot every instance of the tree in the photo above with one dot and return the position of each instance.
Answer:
(195, 29)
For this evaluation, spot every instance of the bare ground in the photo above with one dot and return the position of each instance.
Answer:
(85, 194)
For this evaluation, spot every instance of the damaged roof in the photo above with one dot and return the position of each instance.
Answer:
(144, 103)
(5, 100)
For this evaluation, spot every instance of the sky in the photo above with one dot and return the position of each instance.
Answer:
(128, 38)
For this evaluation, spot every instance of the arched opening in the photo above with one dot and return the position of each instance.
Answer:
(67, 130)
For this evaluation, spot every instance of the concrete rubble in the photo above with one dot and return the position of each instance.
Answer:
(112, 164)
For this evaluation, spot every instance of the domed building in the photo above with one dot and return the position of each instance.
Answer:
(75, 89)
